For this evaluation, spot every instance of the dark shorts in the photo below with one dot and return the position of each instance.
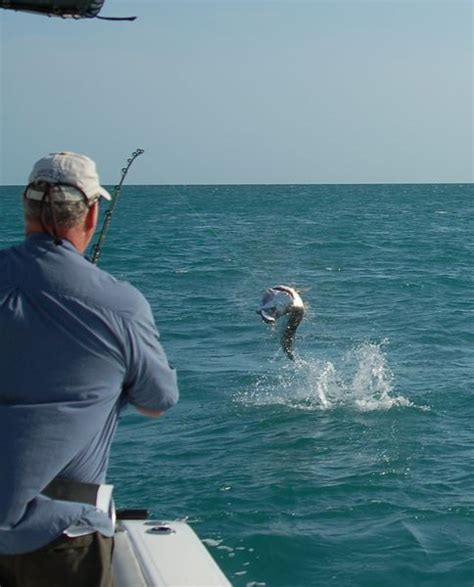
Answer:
(85, 561)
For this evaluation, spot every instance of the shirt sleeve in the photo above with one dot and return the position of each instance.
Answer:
(150, 382)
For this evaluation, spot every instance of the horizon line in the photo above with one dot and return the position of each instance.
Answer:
(348, 183)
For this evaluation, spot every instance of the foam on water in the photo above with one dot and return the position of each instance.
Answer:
(362, 380)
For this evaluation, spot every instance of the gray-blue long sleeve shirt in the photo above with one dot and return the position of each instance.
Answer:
(75, 346)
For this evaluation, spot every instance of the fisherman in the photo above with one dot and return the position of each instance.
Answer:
(76, 346)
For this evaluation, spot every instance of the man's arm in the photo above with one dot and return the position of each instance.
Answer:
(150, 384)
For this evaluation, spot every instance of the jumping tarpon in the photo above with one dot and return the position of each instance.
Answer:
(279, 301)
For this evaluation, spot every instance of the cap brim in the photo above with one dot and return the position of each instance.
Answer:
(104, 193)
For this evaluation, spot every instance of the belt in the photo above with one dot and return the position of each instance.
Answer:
(68, 490)
(99, 496)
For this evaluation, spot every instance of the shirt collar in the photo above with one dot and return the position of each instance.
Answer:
(37, 238)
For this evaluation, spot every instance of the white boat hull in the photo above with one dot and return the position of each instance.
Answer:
(162, 554)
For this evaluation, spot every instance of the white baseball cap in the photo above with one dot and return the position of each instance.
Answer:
(67, 170)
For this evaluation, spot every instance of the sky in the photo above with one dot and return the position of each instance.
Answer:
(244, 91)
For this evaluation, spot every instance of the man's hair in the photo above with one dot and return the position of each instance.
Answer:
(67, 213)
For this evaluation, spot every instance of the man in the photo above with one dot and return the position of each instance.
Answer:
(76, 345)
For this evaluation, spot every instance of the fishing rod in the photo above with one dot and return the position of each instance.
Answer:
(97, 248)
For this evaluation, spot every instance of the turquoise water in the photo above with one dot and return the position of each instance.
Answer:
(353, 466)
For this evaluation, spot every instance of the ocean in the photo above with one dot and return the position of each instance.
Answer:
(352, 466)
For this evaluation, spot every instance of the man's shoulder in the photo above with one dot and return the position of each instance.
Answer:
(118, 296)
(7, 251)
(5, 255)
(65, 274)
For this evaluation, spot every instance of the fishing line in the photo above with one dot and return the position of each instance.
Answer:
(228, 255)
(200, 217)
(97, 248)
(249, 278)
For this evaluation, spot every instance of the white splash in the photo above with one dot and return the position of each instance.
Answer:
(372, 383)
(363, 381)
(211, 542)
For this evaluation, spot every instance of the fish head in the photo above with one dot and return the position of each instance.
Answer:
(277, 302)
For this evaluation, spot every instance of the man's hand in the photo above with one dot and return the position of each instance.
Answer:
(148, 413)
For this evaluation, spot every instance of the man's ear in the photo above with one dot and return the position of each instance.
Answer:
(92, 216)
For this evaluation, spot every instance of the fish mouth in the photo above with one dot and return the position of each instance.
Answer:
(267, 318)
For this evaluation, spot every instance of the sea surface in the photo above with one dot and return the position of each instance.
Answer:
(352, 466)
